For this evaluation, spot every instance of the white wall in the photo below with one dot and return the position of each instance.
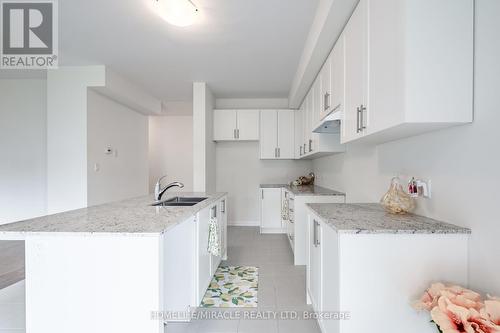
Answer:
(23, 148)
(203, 146)
(124, 173)
(240, 172)
(67, 135)
(462, 162)
(171, 150)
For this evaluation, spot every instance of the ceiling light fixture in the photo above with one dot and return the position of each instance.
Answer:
(181, 13)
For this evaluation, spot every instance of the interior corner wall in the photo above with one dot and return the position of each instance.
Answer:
(203, 145)
(23, 149)
(123, 173)
(462, 162)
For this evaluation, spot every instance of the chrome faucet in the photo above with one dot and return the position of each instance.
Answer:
(160, 191)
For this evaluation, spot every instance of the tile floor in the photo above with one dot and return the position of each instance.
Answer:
(282, 287)
(12, 308)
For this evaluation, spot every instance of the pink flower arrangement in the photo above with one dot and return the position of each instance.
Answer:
(455, 309)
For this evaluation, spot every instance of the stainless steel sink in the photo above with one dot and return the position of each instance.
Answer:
(180, 201)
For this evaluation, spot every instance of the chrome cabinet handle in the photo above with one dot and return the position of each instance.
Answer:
(300, 150)
(234, 133)
(362, 117)
(316, 234)
(238, 133)
(223, 208)
(326, 101)
(358, 112)
(279, 152)
(310, 145)
(304, 148)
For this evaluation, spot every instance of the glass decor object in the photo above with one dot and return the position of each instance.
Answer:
(396, 200)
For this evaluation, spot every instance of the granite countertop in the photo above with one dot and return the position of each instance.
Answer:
(133, 216)
(304, 189)
(373, 219)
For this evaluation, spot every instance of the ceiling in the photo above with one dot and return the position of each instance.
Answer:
(241, 48)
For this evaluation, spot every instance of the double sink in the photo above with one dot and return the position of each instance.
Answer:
(179, 201)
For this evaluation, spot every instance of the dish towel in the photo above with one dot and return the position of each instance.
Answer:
(213, 237)
(285, 213)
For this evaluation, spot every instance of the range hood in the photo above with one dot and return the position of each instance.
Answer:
(330, 124)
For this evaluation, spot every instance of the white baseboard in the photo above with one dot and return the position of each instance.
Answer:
(272, 231)
(244, 223)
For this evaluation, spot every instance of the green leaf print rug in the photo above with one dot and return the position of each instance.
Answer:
(233, 287)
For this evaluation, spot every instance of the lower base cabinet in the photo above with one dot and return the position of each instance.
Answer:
(188, 268)
(270, 210)
(371, 279)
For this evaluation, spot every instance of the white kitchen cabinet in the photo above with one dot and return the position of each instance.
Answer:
(356, 74)
(299, 243)
(314, 264)
(204, 259)
(248, 125)
(268, 134)
(326, 88)
(337, 76)
(416, 73)
(298, 132)
(236, 125)
(286, 127)
(225, 125)
(277, 134)
(270, 210)
(344, 267)
(189, 267)
(322, 271)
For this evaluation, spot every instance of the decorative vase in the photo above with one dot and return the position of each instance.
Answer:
(396, 201)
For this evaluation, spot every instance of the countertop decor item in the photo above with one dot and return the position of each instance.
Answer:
(457, 309)
(304, 180)
(396, 201)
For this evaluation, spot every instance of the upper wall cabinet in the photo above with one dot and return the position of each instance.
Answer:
(408, 68)
(234, 125)
(277, 134)
(355, 38)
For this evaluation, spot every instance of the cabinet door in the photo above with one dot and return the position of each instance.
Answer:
(223, 227)
(285, 134)
(356, 62)
(326, 93)
(248, 125)
(298, 132)
(307, 123)
(337, 75)
(330, 282)
(268, 134)
(315, 263)
(224, 125)
(316, 104)
(270, 209)
(204, 260)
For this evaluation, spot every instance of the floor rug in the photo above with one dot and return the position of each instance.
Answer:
(233, 287)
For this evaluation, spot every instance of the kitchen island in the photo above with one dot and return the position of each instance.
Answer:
(117, 267)
(373, 265)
